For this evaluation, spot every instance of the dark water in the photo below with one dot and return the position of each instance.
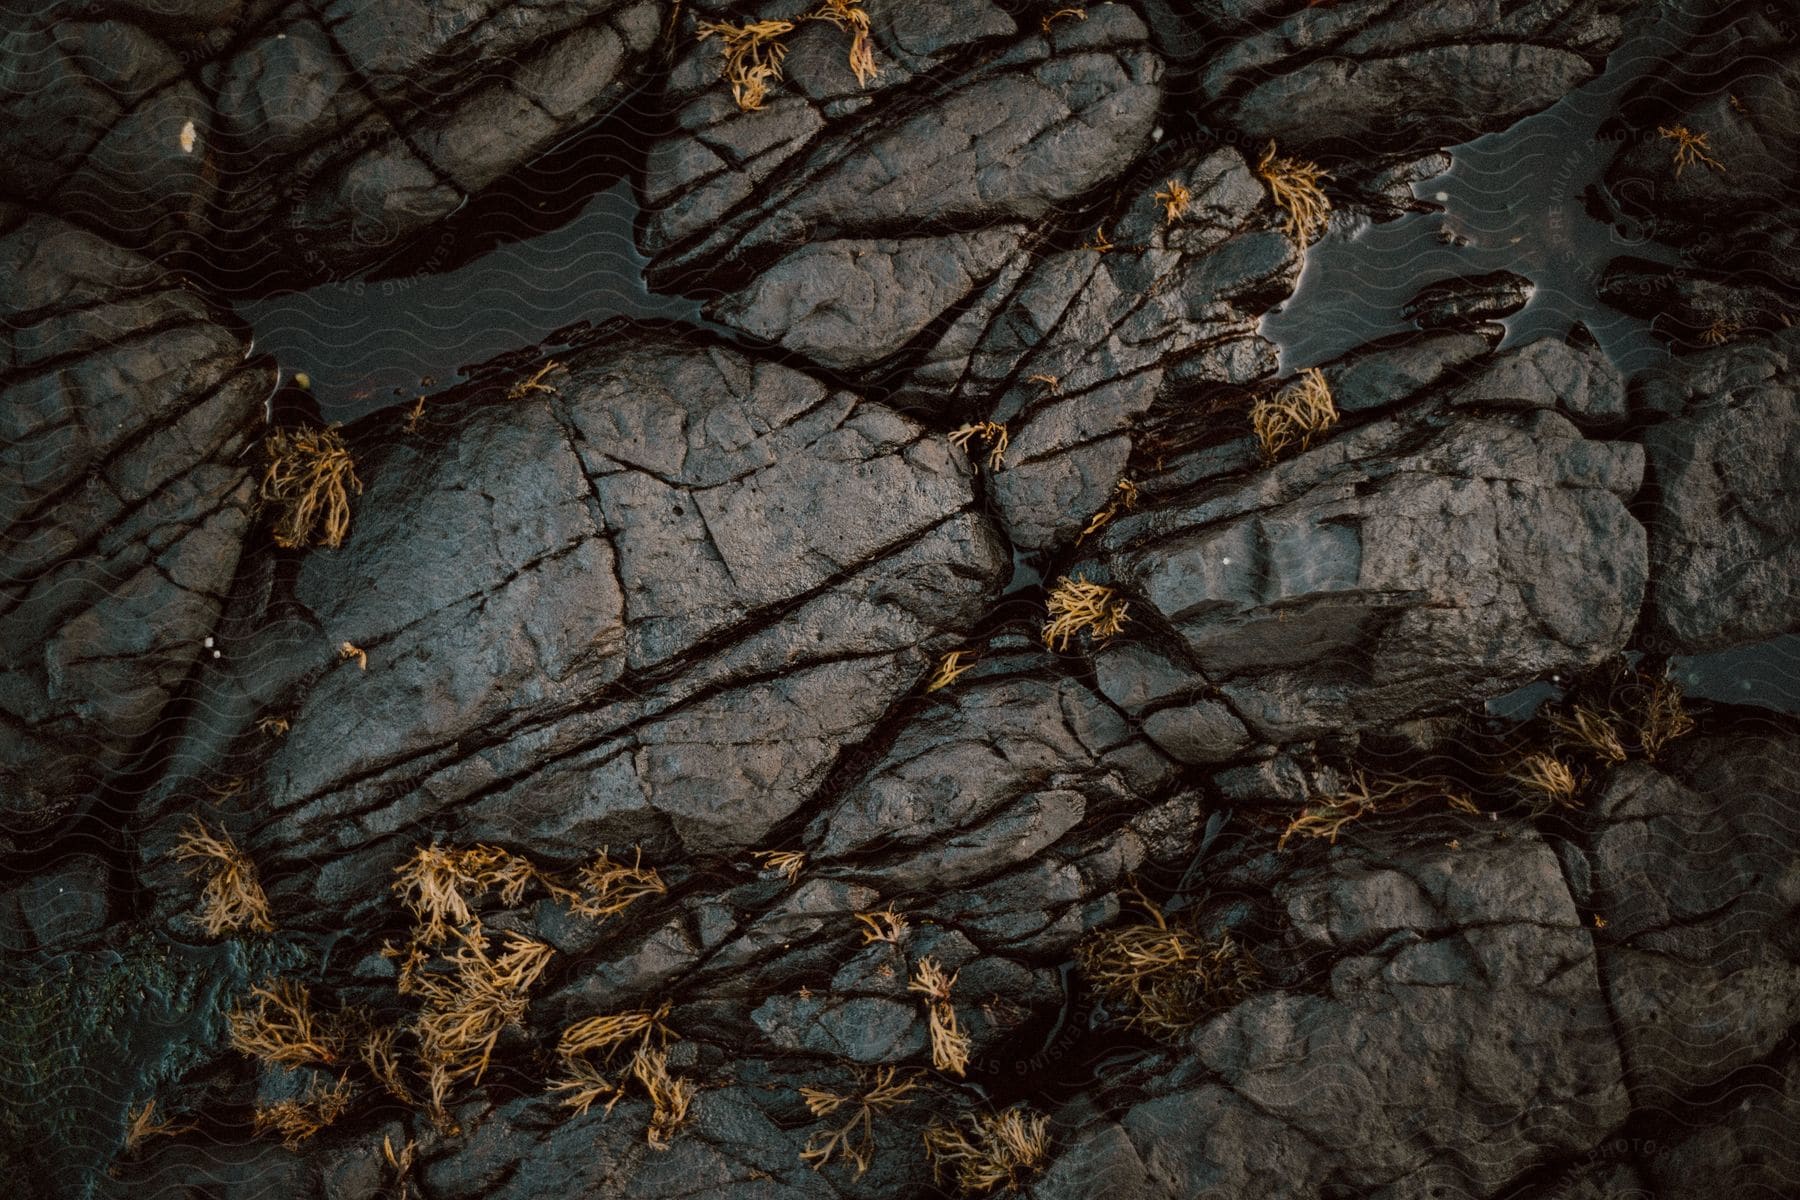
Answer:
(369, 344)
(1763, 676)
(1513, 200)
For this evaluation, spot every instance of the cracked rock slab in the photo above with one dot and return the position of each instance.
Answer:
(127, 414)
(305, 140)
(1365, 77)
(1727, 200)
(653, 607)
(843, 228)
(1424, 979)
(1725, 470)
(1692, 864)
(1388, 573)
(1073, 351)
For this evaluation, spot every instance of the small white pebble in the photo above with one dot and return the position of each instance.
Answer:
(1226, 561)
(188, 136)
(1156, 134)
(215, 654)
(1442, 196)
(209, 641)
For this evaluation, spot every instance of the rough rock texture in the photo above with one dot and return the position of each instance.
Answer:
(1072, 354)
(1749, 1150)
(1694, 306)
(1409, 950)
(62, 905)
(1730, 204)
(1364, 77)
(1028, 123)
(654, 607)
(1453, 303)
(1725, 465)
(1694, 869)
(1585, 384)
(307, 138)
(1377, 576)
(126, 414)
(707, 596)
(849, 220)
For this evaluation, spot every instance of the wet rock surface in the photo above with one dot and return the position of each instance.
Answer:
(1415, 952)
(128, 416)
(1712, 162)
(1726, 527)
(979, 718)
(1317, 598)
(683, 542)
(1359, 78)
(304, 140)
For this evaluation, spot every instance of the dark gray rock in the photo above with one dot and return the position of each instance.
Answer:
(1694, 307)
(1725, 470)
(846, 230)
(1727, 199)
(853, 302)
(1280, 782)
(1026, 125)
(1385, 377)
(1469, 300)
(654, 607)
(126, 419)
(681, 598)
(92, 1033)
(301, 139)
(1169, 311)
(1576, 379)
(1601, 1175)
(1694, 873)
(1391, 571)
(1361, 78)
(988, 779)
(1749, 1148)
(56, 908)
(1459, 972)
(1174, 708)
(102, 125)
(1002, 822)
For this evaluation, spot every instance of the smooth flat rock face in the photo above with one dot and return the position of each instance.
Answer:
(127, 417)
(1725, 464)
